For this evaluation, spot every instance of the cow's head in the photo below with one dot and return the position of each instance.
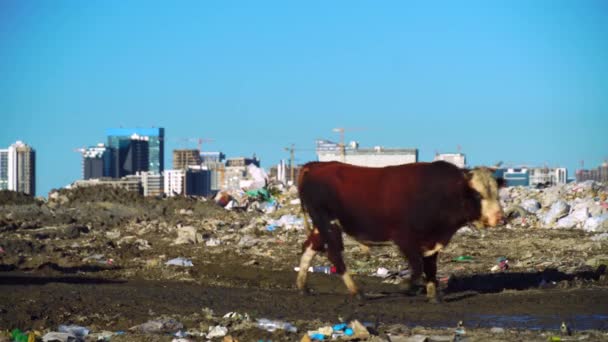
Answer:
(483, 182)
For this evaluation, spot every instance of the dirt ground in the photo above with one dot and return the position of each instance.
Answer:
(101, 265)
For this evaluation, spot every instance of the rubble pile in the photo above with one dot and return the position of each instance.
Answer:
(567, 206)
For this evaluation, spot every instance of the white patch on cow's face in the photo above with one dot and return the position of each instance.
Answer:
(491, 211)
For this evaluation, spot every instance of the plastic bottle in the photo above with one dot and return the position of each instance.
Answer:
(321, 269)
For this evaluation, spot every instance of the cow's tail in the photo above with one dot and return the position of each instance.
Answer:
(304, 213)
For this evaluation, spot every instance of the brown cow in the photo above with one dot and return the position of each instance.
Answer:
(416, 206)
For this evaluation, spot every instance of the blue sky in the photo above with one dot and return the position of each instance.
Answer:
(517, 81)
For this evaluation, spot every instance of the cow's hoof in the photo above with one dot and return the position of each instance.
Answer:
(412, 290)
(434, 300)
(360, 296)
(304, 291)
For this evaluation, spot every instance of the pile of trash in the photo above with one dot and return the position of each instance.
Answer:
(567, 206)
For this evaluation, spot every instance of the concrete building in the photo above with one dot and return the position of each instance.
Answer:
(3, 169)
(373, 157)
(18, 168)
(236, 171)
(599, 175)
(457, 159)
(515, 176)
(212, 157)
(121, 139)
(130, 183)
(193, 181)
(533, 176)
(214, 162)
(184, 158)
(173, 182)
(152, 183)
(548, 176)
(282, 172)
(198, 181)
(97, 162)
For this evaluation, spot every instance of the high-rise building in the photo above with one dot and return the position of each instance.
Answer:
(183, 158)
(97, 162)
(21, 168)
(121, 139)
(3, 169)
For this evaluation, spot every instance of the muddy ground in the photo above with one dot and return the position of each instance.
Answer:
(98, 261)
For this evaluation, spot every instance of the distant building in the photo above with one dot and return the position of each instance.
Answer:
(129, 159)
(457, 159)
(174, 182)
(18, 168)
(214, 162)
(212, 157)
(3, 169)
(282, 173)
(130, 183)
(534, 176)
(184, 158)
(516, 176)
(97, 162)
(599, 175)
(152, 183)
(548, 176)
(198, 182)
(242, 161)
(373, 157)
(194, 181)
(236, 171)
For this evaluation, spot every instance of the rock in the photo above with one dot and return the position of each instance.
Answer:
(217, 331)
(248, 241)
(212, 242)
(186, 235)
(497, 330)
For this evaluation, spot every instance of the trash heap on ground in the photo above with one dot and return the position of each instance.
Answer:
(567, 206)
(117, 234)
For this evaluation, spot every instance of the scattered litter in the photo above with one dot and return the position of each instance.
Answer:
(76, 330)
(180, 262)
(463, 258)
(272, 325)
(158, 326)
(59, 337)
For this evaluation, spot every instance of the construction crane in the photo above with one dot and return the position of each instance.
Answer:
(291, 149)
(199, 141)
(341, 131)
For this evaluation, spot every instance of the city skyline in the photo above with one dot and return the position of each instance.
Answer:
(521, 82)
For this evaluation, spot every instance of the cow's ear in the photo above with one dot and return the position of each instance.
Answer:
(501, 182)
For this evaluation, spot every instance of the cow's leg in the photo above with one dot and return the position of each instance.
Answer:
(414, 258)
(430, 271)
(312, 245)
